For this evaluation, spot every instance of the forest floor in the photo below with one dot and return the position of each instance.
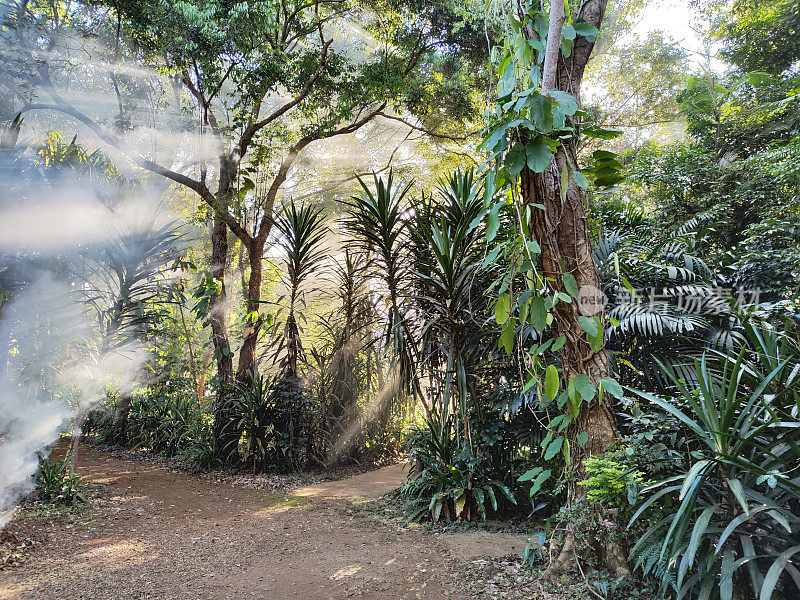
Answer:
(155, 533)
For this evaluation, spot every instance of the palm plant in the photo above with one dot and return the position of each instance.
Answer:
(347, 360)
(665, 303)
(122, 280)
(735, 501)
(379, 224)
(124, 274)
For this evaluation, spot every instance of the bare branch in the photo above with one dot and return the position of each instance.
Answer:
(283, 171)
(553, 49)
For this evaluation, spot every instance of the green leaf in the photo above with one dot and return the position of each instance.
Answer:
(580, 180)
(738, 492)
(571, 285)
(551, 382)
(589, 325)
(566, 101)
(493, 221)
(599, 133)
(582, 438)
(540, 479)
(542, 113)
(554, 447)
(538, 313)
(585, 29)
(528, 475)
(539, 154)
(568, 32)
(515, 161)
(507, 336)
(612, 387)
(502, 309)
(774, 573)
(584, 387)
(507, 82)
(691, 476)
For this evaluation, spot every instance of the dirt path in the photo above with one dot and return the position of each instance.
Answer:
(167, 535)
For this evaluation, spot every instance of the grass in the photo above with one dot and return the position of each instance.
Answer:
(280, 501)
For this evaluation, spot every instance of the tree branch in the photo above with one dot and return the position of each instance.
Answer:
(426, 131)
(553, 49)
(283, 171)
(254, 128)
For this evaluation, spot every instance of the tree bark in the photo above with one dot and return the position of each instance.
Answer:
(225, 436)
(563, 234)
(562, 231)
(247, 353)
(119, 425)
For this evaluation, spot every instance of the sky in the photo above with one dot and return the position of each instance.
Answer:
(678, 21)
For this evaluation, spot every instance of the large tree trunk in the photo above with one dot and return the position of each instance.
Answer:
(562, 231)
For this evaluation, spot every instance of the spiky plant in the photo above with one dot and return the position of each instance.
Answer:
(448, 260)
(379, 224)
(726, 525)
(302, 231)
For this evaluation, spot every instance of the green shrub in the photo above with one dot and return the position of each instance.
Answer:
(611, 483)
(57, 483)
(731, 521)
(448, 482)
(164, 424)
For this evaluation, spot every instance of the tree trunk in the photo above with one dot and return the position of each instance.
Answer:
(247, 353)
(225, 436)
(562, 232)
(119, 426)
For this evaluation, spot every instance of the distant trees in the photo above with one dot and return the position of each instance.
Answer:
(266, 80)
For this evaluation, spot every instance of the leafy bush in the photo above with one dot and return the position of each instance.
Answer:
(166, 425)
(448, 482)
(57, 483)
(611, 483)
(276, 423)
(735, 498)
(203, 455)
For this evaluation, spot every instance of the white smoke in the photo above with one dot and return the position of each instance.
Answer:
(54, 364)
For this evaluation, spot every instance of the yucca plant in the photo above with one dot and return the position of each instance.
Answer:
(302, 231)
(379, 224)
(57, 483)
(728, 524)
(447, 251)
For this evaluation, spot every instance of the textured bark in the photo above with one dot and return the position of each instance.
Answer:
(119, 426)
(224, 435)
(562, 232)
(247, 353)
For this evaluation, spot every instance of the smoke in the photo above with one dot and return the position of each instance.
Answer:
(56, 358)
